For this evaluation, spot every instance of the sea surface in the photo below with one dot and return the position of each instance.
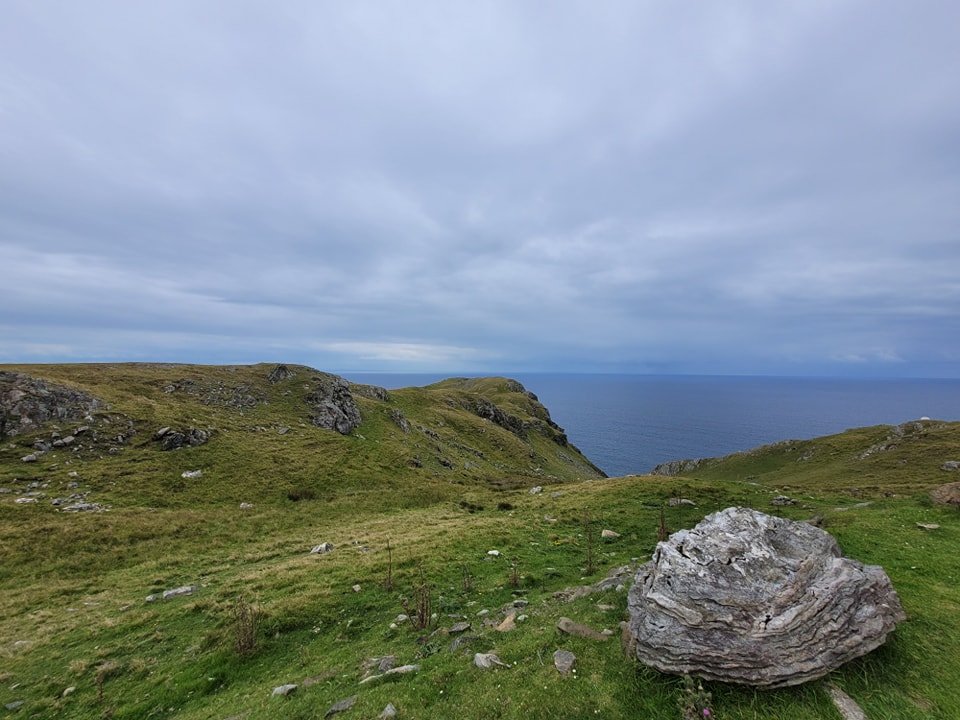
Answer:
(627, 424)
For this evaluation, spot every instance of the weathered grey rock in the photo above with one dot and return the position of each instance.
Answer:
(25, 500)
(284, 690)
(951, 465)
(399, 419)
(948, 494)
(27, 402)
(388, 712)
(181, 591)
(32, 457)
(782, 501)
(190, 474)
(846, 705)
(332, 406)
(749, 598)
(280, 373)
(15, 705)
(536, 489)
(676, 467)
(576, 629)
(928, 526)
(615, 578)
(459, 627)
(487, 661)
(64, 442)
(609, 534)
(84, 507)
(564, 660)
(340, 706)
(374, 392)
(189, 437)
(392, 672)
(681, 502)
(322, 548)
(246, 506)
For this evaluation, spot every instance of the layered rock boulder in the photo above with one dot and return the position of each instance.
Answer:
(749, 598)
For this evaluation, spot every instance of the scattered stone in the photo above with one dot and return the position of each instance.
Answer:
(27, 402)
(340, 706)
(356, 588)
(564, 660)
(846, 706)
(783, 500)
(676, 467)
(522, 618)
(614, 580)
(176, 439)
(69, 691)
(84, 507)
(392, 672)
(536, 490)
(556, 494)
(284, 690)
(928, 526)
(742, 598)
(459, 627)
(283, 430)
(388, 712)
(462, 641)
(322, 548)
(161, 432)
(401, 618)
(576, 629)
(609, 534)
(190, 474)
(175, 592)
(681, 502)
(951, 465)
(487, 661)
(246, 506)
(948, 494)
(509, 623)
(31, 458)
(493, 553)
(25, 500)
(64, 442)
(15, 705)
(378, 664)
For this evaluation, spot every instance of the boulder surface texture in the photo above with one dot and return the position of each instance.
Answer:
(749, 598)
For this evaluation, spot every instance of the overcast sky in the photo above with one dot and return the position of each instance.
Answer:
(735, 187)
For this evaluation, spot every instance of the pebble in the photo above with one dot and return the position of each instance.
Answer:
(564, 660)
(356, 588)
(188, 474)
(493, 553)
(609, 534)
(284, 690)
(246, 506)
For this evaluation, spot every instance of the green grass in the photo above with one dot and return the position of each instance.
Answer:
(72, 587)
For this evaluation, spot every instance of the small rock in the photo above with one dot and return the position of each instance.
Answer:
(25, 500)
(486, 661)
(605, 607)
(32, 457)
(521, 618)
(493, 553)
(356, 588)
(179, 592)
(161, 432)
(189, 474)
(401, 618)
(481, 613)
(322, 548)
(340, 706)
(73, 474)
(284, 690)
(579, 630)
(388, 712)
(69, 691)
(846, 706)
(928, 526)
(402, 670)
(536, 490)
(681, 502)
(556, 494)
(609, 535)
(951, 465)
(783, 500)
(15, 705)
(564, 660)
(246, 506)
(459, 627)
(509, 623)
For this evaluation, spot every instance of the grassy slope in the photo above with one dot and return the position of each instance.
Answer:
(72, 586)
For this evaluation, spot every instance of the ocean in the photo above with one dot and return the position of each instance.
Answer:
(627, 424)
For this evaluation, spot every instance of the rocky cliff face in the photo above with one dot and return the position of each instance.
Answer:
(27, 402)
(332, 405)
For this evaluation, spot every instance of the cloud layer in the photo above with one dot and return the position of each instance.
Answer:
(653, 187)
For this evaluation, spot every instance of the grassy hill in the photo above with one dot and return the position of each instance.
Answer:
(412, 499)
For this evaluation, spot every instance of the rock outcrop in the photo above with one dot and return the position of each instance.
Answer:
(749, 598)
(171, 439)
(332, 406)
(676, 467)
(948, 494)
(280, 373)
(27, 402)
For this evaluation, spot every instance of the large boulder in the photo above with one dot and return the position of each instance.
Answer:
(332, 406)
(749, 598)
(948, 494)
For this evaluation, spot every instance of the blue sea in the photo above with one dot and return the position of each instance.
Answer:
(627, 424)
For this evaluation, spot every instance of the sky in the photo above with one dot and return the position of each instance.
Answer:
(415, 186)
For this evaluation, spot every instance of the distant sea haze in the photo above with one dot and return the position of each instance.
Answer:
(627, 424)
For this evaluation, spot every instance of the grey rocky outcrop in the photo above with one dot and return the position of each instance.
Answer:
(171, 439)
(676, 467)
(27, 402)
(332, 406)
(374, 392)
(749, 598)
(280, 373)
(951, 465)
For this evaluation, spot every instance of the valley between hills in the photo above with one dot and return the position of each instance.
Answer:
(183, 541)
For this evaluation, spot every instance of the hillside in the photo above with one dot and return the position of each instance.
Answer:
(412, 499)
